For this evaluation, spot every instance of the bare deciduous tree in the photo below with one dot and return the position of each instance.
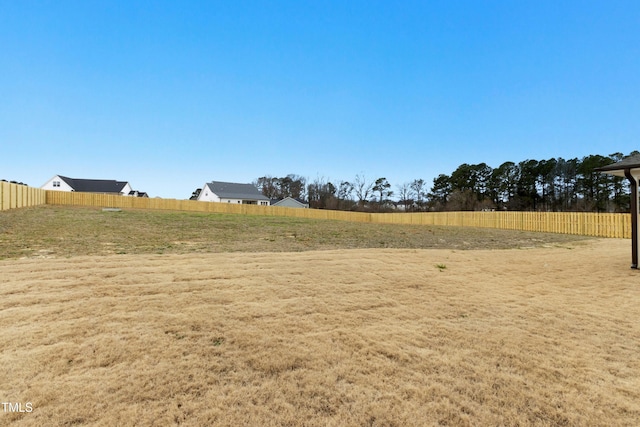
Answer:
(404, 192)
(278, 188)
(268, 186)
(362, 189)
(322, 194)
(419, 192)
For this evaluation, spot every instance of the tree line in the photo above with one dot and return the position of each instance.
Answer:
(555, 184)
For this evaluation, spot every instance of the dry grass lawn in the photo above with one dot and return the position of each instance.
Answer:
(547, 336)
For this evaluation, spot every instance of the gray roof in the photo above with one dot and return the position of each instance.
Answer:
(289, 202)
(95, 185)
(631, 162)
(231, 190)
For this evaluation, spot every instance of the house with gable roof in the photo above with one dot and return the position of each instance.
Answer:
(230, 192)
(289, 202)
(105, 186)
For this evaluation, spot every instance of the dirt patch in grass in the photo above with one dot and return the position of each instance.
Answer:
(389, 337)
(55, 231)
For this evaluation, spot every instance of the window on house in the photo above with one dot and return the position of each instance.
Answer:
(56, 183)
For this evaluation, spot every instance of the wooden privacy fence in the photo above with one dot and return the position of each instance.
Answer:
(18, 196)
(112, 201)
(580, 223)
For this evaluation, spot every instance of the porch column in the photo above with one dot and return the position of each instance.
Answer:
(634, 217)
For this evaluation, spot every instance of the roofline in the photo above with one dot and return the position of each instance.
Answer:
(627, 164)
(243, 196)
(73, 183)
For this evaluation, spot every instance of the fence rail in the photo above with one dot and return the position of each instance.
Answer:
(579, 223)
(14, 196)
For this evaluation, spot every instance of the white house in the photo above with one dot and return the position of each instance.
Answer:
(63, 183)
(229, 192)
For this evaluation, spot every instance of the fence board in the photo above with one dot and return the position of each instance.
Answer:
(14, 196)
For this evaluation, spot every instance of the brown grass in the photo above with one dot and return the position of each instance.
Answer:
(381, 337)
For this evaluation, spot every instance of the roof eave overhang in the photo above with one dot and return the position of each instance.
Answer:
(622, 172)
(625, 166)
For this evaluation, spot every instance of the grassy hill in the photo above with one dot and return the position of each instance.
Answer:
(69, 231)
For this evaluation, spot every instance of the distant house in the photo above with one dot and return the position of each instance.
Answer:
(136, 193)
(289, 202)
(108, 186)
(229, 192)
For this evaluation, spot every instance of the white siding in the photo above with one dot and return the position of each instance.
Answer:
(126, 189)
(56, 183)
(206, 195)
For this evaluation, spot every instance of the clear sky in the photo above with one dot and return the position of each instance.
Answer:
(169, 95)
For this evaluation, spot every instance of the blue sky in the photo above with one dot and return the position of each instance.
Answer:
(169, 95)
